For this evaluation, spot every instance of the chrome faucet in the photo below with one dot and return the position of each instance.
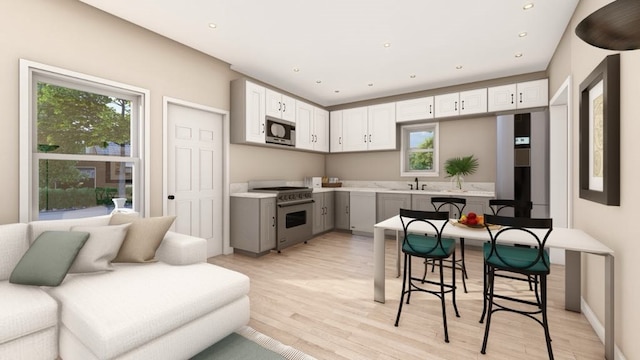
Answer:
(417, 184)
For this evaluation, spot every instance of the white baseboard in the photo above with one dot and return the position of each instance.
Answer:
(598, 327)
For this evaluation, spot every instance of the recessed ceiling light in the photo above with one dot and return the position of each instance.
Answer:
(370, 84)
(296, 70)
(522, 34)
(413, 76)
(458, 67)
(336, 91)
(212, 25)
(387, 44)
(527, 6)
(318, 81)
(518, 55)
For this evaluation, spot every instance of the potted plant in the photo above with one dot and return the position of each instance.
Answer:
(458, 167)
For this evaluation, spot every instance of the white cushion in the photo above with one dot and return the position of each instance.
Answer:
(25, 310)
(14, 242)
(101, 247)
(114, 312)
(38, 227)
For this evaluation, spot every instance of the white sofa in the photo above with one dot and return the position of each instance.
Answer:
(170, 309)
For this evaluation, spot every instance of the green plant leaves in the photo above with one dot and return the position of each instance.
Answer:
(466, 165)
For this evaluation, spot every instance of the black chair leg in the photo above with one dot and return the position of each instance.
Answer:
(489, 310)
(484, 291)
(404, 284)
(453, 286)
(408, 278)
(545, 324)
(463, 266)
(444, 311)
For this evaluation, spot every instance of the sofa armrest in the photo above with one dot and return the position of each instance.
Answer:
(180, 249)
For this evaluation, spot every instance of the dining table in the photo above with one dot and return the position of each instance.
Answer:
(573, 241)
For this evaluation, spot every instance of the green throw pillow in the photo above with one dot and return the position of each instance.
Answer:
(49, 258)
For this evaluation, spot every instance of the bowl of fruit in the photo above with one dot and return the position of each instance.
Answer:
(471, 220)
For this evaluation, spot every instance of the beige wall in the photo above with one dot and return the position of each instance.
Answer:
(613, 225)
(74, 36)
(461, 137)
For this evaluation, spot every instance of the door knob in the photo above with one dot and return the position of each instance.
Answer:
(171, 197)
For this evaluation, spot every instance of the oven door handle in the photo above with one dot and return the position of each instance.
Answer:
(294, 203)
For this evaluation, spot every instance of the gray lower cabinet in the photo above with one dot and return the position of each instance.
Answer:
(362, 214)
(421, 202)
(253, 225)
(323, 212)
(476, 204)
(342, 210)
(389, 204)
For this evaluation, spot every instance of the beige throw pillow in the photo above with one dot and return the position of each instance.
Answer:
(100, 249)
(143, 237)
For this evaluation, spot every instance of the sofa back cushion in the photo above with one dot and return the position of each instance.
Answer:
(14, 242)
(40, 226)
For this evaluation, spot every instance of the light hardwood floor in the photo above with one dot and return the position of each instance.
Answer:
(318, 298)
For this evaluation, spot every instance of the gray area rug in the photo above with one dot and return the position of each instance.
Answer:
(249, 344)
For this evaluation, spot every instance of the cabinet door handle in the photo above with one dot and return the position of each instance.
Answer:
(369, 137)
(340, 140)
(347, 210)
(365, 138)
(263, 128)
(512, 98)
(279, 106)
(462, 108)
(284, 107)
(274, 221)
(520, 98)
(430, 108)
(455, 106)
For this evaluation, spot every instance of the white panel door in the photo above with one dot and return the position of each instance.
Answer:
(473, 102)
(194, 173)
(414, 109)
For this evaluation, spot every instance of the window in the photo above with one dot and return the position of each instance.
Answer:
(81, 144)
(419, 154)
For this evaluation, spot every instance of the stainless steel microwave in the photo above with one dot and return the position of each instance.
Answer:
(280, 132)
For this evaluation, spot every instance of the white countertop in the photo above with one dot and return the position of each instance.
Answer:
(254, 195)
(489, 194)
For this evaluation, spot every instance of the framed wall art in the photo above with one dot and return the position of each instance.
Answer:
(600, 133)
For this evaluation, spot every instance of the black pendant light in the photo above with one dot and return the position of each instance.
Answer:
(615, 26)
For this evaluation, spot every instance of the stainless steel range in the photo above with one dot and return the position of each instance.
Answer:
(293, 215)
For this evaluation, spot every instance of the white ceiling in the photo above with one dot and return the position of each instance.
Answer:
(341, 42)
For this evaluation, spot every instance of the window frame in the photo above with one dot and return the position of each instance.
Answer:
(405, 151)
(32, 72)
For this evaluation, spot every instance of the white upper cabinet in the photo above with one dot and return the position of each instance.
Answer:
(473, 102)
(321, 130)
(447, 105)
(364, 128)
(354, 129)
(280, 106)
(335, 128)
(247, 112)
(382, 127)
(304, 126)
(519, 96)
(462, 103)
(415, 109)
(312, 127)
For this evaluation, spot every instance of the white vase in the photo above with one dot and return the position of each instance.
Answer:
(119, 203)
